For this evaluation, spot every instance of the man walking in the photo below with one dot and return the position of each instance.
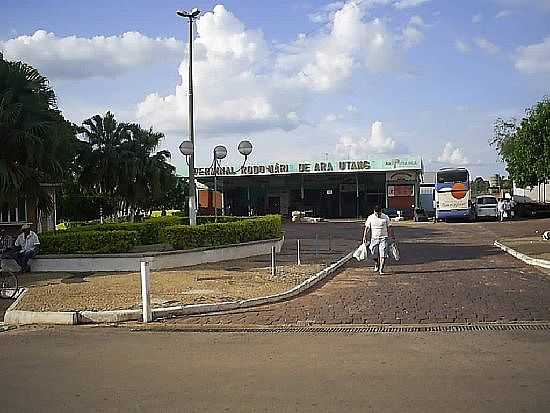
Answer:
(378, 227)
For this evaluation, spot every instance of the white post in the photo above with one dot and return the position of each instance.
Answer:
(273, 267)
(145, 293)
(298, 247)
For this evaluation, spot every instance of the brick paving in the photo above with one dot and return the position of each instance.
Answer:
(448, 273)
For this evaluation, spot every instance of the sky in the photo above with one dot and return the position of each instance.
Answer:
(302, 79)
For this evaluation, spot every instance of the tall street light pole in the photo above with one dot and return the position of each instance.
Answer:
(192, 15)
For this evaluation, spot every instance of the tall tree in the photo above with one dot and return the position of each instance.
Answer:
(525, 146)
(36, 142)
(120, 161)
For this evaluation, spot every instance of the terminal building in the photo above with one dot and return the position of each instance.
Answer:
(328, 189)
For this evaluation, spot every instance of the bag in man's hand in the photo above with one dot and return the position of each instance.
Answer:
(361, 253)
(394, 251)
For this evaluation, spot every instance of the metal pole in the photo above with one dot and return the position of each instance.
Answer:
(298, 252)
(192, 190)
(329, 242)
(215, 189)
(145, 292)
(316, 244)
(273, 264)
(248, 198)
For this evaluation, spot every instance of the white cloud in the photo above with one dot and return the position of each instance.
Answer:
(350, 112)
(326, 13)
(477, 18)
(534, 58)
(486, 45)
(407, 4)
(412, 35)
(452, 155)
(243, 85)
(503, 13)
(376, 143)
(78, 57)
(462, 46)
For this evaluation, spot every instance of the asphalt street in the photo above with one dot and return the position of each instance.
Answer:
(110, 370)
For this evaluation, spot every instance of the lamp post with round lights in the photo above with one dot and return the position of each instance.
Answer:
(219, 153)
(245, 149)
(192, 15)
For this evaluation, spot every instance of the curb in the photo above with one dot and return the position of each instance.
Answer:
(525, 258)
(13, 316)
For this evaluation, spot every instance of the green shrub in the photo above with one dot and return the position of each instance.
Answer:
(148, 231)
(89, 242)
(210, 219)
(206, 235)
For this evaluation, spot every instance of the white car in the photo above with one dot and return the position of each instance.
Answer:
(486, 207)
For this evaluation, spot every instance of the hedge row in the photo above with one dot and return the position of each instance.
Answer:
(209, 219)
(87, 242)
(186, 237)
(149, 230)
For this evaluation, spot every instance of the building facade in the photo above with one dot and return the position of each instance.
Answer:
(25, 212)
(329, 189)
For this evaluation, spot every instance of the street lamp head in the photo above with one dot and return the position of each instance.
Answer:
(220, 152)
(245, 148)
(189, 15)
(187, 148)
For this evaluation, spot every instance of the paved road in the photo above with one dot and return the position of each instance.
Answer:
(97, 369)
(448, 273)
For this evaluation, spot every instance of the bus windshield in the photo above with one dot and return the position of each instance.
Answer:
(452, 176)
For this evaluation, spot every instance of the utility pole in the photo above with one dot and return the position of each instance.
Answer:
(192, 15)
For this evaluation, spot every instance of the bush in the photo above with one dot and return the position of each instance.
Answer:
(147, 231)
(88, 242)
(210, 219)
(206, 235)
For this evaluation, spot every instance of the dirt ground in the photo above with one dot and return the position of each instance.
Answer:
(534, 247)
(194, 285)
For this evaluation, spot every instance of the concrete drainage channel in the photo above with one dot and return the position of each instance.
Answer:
(358, 329)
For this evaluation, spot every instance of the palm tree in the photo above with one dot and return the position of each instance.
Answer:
(122, 163)
(35, 140)
(104, 135)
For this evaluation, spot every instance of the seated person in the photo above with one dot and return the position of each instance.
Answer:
(28, 245)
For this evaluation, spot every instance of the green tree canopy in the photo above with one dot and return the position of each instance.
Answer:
(36, 143)
(120, 160)
(525, 146)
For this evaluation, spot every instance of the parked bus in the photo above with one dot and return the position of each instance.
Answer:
(453, 197)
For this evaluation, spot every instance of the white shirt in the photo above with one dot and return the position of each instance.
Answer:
(378, 225)
(27, 243)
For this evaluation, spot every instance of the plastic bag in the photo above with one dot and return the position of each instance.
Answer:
(361, 253)
(394, 251)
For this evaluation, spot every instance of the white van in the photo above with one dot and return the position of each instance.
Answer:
(486, 207)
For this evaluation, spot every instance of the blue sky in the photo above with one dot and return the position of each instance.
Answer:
(300, 79)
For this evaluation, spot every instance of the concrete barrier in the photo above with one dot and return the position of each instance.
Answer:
(160, 260)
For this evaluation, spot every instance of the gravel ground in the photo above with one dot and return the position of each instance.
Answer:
(183, 286)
